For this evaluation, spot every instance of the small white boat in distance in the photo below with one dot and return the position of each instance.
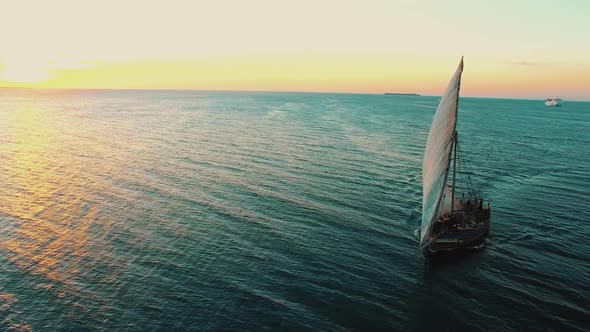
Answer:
(552, 102)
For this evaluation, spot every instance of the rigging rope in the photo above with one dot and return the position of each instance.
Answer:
(465, 172)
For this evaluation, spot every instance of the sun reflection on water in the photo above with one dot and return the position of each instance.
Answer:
(50, 216)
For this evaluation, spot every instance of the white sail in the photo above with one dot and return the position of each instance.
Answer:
(437, 154)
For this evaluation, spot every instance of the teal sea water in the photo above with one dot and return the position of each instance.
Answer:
(208, 211)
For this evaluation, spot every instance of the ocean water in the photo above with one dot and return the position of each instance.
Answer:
(208, 211)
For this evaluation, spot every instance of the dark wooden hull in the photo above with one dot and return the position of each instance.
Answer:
(460, 238)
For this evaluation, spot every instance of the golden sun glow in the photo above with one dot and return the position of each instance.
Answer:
(25, 75)
(24, 70)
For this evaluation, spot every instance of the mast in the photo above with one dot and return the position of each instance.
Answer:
(456, 141)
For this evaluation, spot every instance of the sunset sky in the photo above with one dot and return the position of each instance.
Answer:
(523, 49)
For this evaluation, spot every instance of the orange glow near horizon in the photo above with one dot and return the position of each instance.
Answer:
(370, 75)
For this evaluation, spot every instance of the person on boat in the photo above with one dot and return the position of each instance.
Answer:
(468, 204)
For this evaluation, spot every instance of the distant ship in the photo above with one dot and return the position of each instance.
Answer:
(449, 221)
(552, 102)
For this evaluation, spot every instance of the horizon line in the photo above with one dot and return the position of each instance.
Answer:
(274, 91)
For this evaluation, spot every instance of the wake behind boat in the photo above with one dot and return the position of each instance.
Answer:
(449, 222)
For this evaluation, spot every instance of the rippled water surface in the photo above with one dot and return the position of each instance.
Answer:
(163, 210)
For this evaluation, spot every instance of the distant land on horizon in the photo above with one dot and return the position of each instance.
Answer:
(401, 94)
